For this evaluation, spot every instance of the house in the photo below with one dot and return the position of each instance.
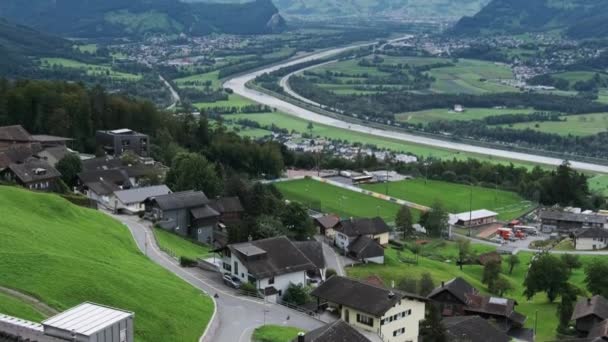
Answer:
(53, 154)
(564, 222)
(46, 140)
(337, 331)
(99, 185)
(118, 141)
(588, 312)
(133, 200)
(599, 332)
(451, 296)
(186, 213)
(591, 239)
(472, 329)
(17, 137)
(365, 249)
(270, 264)
(458, 108)
(15, 154)
(474, 218)
(347, 231)
(230, 209)
(87, 322)
(326, 225)
(313, 250)
(391, 314)
(33, 174)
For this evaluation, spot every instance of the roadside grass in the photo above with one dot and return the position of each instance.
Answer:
(91, 69)
(455, 197)
(14, 307)
(332, 199)
(578, 125)
(439, 260)
(65, 255)
(275, 333)
(234, 100)
(439, 114)
(179, 246)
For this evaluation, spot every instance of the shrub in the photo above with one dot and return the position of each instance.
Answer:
(330, 272)
(249, 288)
(297, 294)
(187, 262)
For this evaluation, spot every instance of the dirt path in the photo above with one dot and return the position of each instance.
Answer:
(41, 307)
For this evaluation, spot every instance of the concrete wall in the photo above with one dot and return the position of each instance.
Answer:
(382, 238)
(591, 244)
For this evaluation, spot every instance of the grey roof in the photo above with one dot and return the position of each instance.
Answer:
(44, 138)
(281, 257)
(363, 226)
(15, 133)
(203, 212)
(458, 287)
(596, 305)
(313, 251)
(364, 248)
(102, 187)
(592, 233)
(27, 172)
(571, 217)
(488, 305)
(181, 200)
(141, 194)
(57, 152)
(227, 205)
(328, 221)
(361, 296)
(473, 329)
(338, 331)
(86, 319)
(15, 154)
(101, 163)
(599, 330)
(475, 215)
(116, 177)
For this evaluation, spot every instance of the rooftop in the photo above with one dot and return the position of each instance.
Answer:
(475, 215)
(592, 233)
(86, 319)
(181, 200)
(15, 133)
(141, 194)
(458, 287)
(571, 217)
(338, 331)
(596, 305)
(363, 226)
(473, 329)
(34, 170)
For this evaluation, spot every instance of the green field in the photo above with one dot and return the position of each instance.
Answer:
(466, 77)
(331, 199)
(438, 259)
(65, 255)
(234, 100)
(439, 114)
(579, 125)
(91, 69)
(178, 246)
(17, 308)
(455, 197)
(197, 81)
(599, 183)
(575, 76)
(87, 48)
(275, 333)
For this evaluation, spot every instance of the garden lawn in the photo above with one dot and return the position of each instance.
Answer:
(15, 307)
(455, 197)
(332, 199)
(91, 69)
(439, 114)
(65, 255)
(178, 246)
(275, 333)
(438, 259)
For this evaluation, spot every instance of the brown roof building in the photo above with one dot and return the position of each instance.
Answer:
(588, 312)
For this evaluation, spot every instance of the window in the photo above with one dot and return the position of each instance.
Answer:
(271, 281)
(399, 332)
(365, 320)
(123, 335)
(236, 268)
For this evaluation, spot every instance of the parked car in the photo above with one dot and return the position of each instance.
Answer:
(232, 281)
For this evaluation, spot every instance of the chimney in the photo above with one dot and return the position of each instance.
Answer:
(301, 337)
(443, 284)
(391, 294)
(588, 301)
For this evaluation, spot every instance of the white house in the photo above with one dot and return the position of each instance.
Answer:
(347, 231)
(270, 264)
(132, 200)
(592, 239)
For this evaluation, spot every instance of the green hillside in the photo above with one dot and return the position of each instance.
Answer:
(64, 255)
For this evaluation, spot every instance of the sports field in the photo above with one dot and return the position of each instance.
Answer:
(331, 199)
(456, 197)
(439, 114)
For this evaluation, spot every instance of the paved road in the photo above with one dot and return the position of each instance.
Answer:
(174, 95)
(238, 84)
(333, 260)
(236, 316)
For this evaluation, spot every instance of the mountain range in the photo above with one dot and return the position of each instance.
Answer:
(573, 18)
(119, 18)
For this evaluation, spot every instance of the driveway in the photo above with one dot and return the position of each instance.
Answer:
(333, 259)
(236, 317)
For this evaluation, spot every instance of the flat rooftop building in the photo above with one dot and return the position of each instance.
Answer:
(118, 141)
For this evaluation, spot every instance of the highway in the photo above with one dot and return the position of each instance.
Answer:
(238, 85)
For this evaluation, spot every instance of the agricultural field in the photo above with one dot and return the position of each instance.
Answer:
(440, 114)
(471, 77)
(331, 199)
(234, 100)
(275, 333)
(198, 81)
(438, 259)
(578, 125)
(17, 308)
(42, 236)
(178, 246)
(455, 197)
(599, 183)
(91, 69)
(87, 48)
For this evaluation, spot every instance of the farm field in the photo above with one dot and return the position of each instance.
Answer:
(331, 199)
(455, 197)
(275, 333)
(198, 81)
(87, 48)
(65, 255)
(579, 125)
(599, 183)
(466, 77)
(179, 246)
(92, 69)
(14, 307)
(439, 114)
(438, 259)
(234, 100)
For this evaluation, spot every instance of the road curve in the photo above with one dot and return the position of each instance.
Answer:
(238, 85)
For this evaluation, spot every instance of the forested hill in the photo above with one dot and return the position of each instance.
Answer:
(574, 18)
(117, 18)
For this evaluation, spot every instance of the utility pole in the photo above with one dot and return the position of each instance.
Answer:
(471, 210)
(386, 180)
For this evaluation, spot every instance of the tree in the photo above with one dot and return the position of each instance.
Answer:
(566, 307)
(435, 220)
(571, 261)
(69, 167)
(548, 274)
(464, 249)
(297, 221)
(491, 273)
(192, 171)
(267, 227)
(408, 285)
(297, 294)
(432, 328)
(513, 261)
(426, 284)
(502, 286)
(404, 221)
(596, 277)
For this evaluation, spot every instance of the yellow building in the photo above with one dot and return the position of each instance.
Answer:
(393, 315)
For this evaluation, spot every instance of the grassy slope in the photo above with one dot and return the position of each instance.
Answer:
(336, 200)
(442, 268)
(14, 307)
(275, 333)
(455, 197)
(65, 255)
(179, 246)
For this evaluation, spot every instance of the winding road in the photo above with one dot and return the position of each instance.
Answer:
(239, 85)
